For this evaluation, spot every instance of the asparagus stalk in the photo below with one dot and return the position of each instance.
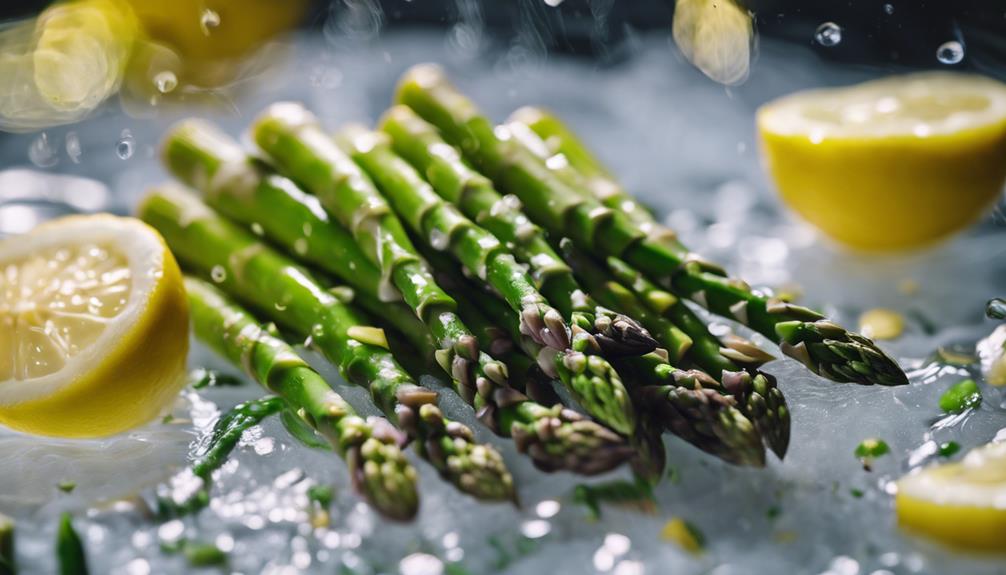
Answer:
(823, 346)
(69, 549)
(429, 216)
(418, 142)
(377, 466)
(252, 272)
(247, 191)
(7, 560)
(757, 394)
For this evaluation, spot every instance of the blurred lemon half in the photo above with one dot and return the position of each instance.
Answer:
(93, 327)
(963, 504)
(892, 163)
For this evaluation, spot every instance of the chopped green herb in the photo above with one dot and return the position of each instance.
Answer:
(209, 378)
(685, 534)
(857, 493)
(69, 549)
(66, 486)
(167, 419)
(204, 555)
(321, 494)
(873, 447)
(673, 476)
(773, 512)
(301, 431)
(636, 493)
(7, 566)
(961, 396)
(948, 449)
(456, 569)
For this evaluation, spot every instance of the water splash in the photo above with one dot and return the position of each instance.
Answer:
(208, 21)
(950, 53)
(41, 152)
(72, 143)
(165, 81)
(125, 146)
(828, 34)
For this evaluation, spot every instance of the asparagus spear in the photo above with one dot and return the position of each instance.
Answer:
(7, 564)
(758, 397)
(247, 191)
(69, 548)
(823, 346)
(251, 271)
(429, 216)
(377, 466)
(419, 143)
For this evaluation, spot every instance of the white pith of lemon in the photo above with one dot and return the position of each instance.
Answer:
(93, 327)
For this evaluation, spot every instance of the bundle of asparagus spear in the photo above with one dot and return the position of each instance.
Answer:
(505, 258)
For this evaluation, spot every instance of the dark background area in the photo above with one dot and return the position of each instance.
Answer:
(874, 32)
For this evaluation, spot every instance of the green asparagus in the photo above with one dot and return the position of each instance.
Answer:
(246, 191)
(8, 565)
(293, 140)
(369, 448)
(429, 216)
(823, 346)
(252, 272)
(757, 394)
(419, 143)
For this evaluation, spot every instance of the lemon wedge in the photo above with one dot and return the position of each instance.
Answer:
(963, 504)
(892, 163)
(93, 327)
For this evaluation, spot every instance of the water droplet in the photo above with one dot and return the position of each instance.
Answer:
(553, 3)
(218, 274)
(828, 34)
(165, 81)
(124, 147)
(257, 229)
(300, 246)
(40, 152)
(889, 9)
(209, 20)
(438, 240)
(280, 306)
(73, 147)
(951, 52)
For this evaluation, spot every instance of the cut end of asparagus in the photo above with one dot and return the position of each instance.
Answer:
(477, 469)
(708, 420)
(558, 438)
(621, 336)
(382, 474)
(831, 351)
(761, 401)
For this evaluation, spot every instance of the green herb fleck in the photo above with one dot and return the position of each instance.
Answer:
(674, 476)
(301, 431)
(204, 555)
(872, 447)
(948, 449)
(7, 566)
(167, 419)
(773, 512)
(636, 493)
(961, 396)
(209, 378)
(321, 494)
(69, 549)
(857, 493)
(66, 486)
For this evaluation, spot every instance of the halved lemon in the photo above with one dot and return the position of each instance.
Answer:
(93, 327)
(963, 504)
(893, 163)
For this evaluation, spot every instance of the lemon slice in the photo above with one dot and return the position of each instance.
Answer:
(892, 163)
(963, 504)
(93, 327)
